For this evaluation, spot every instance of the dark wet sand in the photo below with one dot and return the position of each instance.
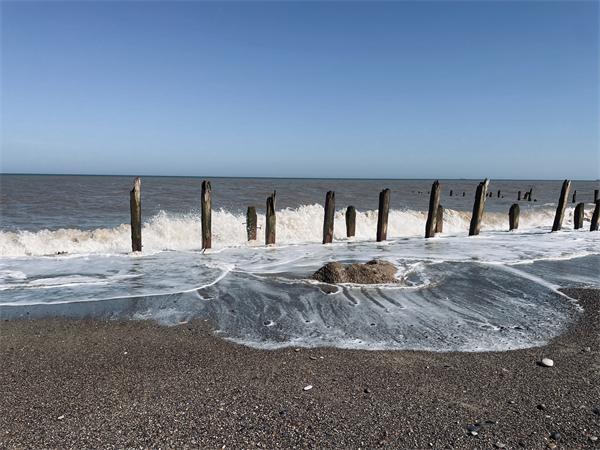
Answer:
(82, 384)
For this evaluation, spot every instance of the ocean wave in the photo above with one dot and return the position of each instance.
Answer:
(182, 232)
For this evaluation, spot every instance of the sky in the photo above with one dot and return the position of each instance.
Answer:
(302, 89)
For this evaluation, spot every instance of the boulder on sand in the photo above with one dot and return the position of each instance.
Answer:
(373, 272)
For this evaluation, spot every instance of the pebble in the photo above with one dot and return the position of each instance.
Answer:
(593, 438)
(587, 349)
(367, 391)
(551, 445)
(307, 388)
(473, 433)
(547, 362)
(556, 436)
(61, 417)
(541, 407)
(499, 445)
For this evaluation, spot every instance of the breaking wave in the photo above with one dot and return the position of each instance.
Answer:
(166, 231)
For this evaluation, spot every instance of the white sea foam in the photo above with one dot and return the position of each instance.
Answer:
(294, 226)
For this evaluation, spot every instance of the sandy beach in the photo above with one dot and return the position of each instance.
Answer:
(109, 384)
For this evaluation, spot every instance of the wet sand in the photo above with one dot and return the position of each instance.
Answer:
(110, 384)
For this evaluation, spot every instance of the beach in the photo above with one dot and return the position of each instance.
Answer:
(122, 384)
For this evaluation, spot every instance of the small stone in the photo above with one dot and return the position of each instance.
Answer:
(512, 402)
(541, 407)
(296, 349)
(472, 427)
(555, 436)
(547, 362)
(307, 388)
(596, 411)
(499, 445)
(551, 445)
(473, 433)
(593, 438)
(61, 417)
(367, 391)
(587, 349)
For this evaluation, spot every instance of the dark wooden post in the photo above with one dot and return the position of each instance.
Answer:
(135, 208)
(513, 217)
(578, 216)
(478, 207)
(251, 223)
(464, 193)
(596, 191)
(562, 204)
(529, 194)
(329, 216)
(451, 192)
(206, 205)
(382, 216)
(595, 216)
(499, 193)
(270, 222)
(439, 219)
(574, 196)
(350, 221)
(519, 196)
(434, 201)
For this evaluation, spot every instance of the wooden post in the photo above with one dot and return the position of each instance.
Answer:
(519, 196)
(578, 216)
(135, 208)
(329, 216)
(451, 192)
(596, 191)
(434, 201)
(574, 196)
(562, 204)
(270, 222)
(464, 193)
(206, 209)
(499, 193)
(478, 206)
(251, 223)
(529, 194)
(382, 216)
(595, 216)
(350, 221)
(513, 217)
(439, 219)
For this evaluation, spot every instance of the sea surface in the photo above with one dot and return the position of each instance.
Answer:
(65, 251)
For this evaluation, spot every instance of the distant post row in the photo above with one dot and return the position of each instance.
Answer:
(433, 225)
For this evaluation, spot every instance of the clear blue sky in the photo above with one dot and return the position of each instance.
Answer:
(397, 90)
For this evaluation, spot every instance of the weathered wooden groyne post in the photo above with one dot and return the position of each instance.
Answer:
(251, 223)
(519, 196)
(595, 216)
(451, 192)
(350, 221)
(382, 215)
(574, 196)
(499, 192)
(596, 192)
(478, 207)
(513, 217)
(439, 219)
(434, 201)
(329, 216)
(135, 208)
(206, 218)
(578, 216)
(270, 222)
(562, 204)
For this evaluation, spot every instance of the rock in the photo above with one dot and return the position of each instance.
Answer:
(373, 272)
(593, 438)
(499, 445)
(473, 433)
(551, 445)
(61, 417)
(547, 362)
(307, 388)
(541, 407)
(555, 436)
(367, 391)
(587, 349)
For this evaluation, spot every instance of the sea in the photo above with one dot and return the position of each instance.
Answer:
(65, 251)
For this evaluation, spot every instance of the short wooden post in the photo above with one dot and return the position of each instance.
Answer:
(464, 193)
(574, 199)
(350, 221)
(434, 201)
(478, 207)
(135, 208)
(578, 216)
(562, 204)
(499, 193)
(382, 216)
(596, 192)
(270, 223)
(451, 192)
(513, 217)
(329, 216)
(251, 223)
(529, 194)
(439, 219)
(519, 196)
(206, 210)
(595, 216)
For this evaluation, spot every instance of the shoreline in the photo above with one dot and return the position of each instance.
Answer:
(99, 383)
